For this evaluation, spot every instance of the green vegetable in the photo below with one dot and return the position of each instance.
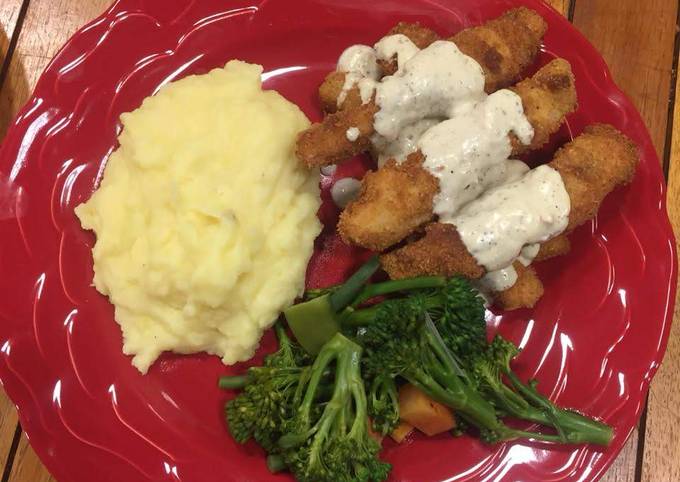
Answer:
(349, 290)
(311, 419)
(402, 341)
(269, 391)
(436, 340)
(275, 463)
(383, 404)
(334, 445)
(233, 383)
(526, 403)
(311, 413)
(315, 321)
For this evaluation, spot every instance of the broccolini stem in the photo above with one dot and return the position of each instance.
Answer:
(346, 293)
(281, 334)
(343, 352)
(323, 360)
(233, 382)
(275, 463)
(572, 427)
(456, 393)
(336, 418)
(387, 287)
(316, 292)
(365, 316)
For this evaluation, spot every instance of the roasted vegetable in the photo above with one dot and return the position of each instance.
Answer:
(423, 413)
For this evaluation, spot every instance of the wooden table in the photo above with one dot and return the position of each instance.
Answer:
(638, 38)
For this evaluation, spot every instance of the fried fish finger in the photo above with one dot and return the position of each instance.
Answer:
(591, 166)
(330, 89)
(503, 46)
(396, 200)
(526, 291)
(379, 214)
(557, 246)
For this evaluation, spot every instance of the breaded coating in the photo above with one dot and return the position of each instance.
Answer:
(547, 97)
(327, 143)
(591, 166)
(404, 204)
(393, 202)
(330, 89)
(504, 47)
(525, 293)
(554, 247)
(440, 252)
(421, 36)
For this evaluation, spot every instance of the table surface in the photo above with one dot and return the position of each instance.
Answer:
(640, 41)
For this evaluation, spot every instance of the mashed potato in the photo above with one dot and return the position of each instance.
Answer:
(205, 220)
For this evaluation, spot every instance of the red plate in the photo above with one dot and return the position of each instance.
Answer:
(594, 341)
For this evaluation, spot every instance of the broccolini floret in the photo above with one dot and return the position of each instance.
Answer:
(311, 419)
(436, 340)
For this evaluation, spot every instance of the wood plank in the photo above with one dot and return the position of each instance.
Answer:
(47, 26)
(27, 467)
(623, 468)
(8, 424)
(661, 459)
(9, 13)
(636, 39)
(561, 6)
(642, 68)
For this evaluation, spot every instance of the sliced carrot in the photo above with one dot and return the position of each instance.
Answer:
(401, 432)
(425, 414)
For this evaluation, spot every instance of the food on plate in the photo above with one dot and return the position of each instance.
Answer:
(456, 220)
(484, 58)
(399, 197)
(421, 356)
(205, 221)
(334, 96)
(401, 431)
(524, 293)
(311, 416)
(424, 413)
(504, 47)
(486, 235)
(445, 137)
(557, 246)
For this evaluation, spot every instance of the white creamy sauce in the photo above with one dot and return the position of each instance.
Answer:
(352, 134)
(406, 143)
(469, 152)
(505, 278)
(359, 63)
(399, 45)
(528, 253)
(345, 190)
(499, 280)
(431, 84)
(436, 103)
(329, 170)
(367, 88)
(497, 225)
